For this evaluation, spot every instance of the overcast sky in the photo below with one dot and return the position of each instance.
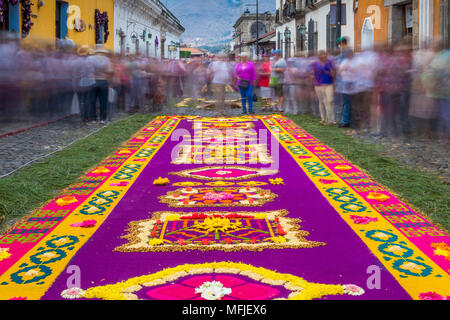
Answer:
(211, 21)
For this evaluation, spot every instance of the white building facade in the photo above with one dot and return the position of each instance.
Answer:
(146, 27)
(310, 25)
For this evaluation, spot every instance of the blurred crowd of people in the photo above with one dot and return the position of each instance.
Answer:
(389, 91)
(44, 82)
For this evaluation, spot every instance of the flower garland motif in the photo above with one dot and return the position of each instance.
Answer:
(150, 235)
(300, 288)
(101, 19)
(26, 14)
(26, 18)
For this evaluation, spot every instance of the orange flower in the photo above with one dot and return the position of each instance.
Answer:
(343, 168)
(66, 201)
(378, 196)
(101, 170)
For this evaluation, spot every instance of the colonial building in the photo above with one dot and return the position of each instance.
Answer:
(82, 21)
(310, 25)
(247, 29)
(146, 27)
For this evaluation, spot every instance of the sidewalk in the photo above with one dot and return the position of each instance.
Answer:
(427, 155)
(19, 149)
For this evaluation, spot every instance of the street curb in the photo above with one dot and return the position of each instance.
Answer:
(12, 133)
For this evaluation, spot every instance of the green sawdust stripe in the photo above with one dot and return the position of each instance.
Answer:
(425, 192)
(40, 182)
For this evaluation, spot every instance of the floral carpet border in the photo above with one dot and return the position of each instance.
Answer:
(33, 254)
(408, 245)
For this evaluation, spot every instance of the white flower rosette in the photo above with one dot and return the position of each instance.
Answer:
(73, 293)
(212, 290)
(353, 290)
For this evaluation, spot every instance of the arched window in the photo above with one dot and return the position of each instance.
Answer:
(258, 31)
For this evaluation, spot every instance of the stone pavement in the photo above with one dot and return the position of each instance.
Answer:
(19, 149)
(426, 155)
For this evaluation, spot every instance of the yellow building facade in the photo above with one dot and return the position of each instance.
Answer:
(378, 15)
(72, 19)
(393, 20)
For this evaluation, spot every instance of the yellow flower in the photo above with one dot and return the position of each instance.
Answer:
(4, 253)
(161, 181)
(65, 201)
(252, 183)
(260, 216)
(101, 170)
(276, 181)
(155, 242)
(219, 183)
(217, 225)
(278, 239)
(187, 184)
(124, 151)
(172, 217)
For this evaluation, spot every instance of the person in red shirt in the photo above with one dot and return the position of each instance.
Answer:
(266, 91)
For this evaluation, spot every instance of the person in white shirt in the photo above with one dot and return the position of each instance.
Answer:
(220, 74)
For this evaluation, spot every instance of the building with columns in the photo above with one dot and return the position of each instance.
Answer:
(310, 25)
(146, 27)
(247, 29)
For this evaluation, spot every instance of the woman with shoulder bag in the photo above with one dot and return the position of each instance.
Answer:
(245, 73)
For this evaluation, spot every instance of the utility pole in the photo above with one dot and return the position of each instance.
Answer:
(338, 18)
(257, 27)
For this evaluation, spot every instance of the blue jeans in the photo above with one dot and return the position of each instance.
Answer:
(444, 116)
(100, 92)
(247, 96)
(347, 108)
(85, 101)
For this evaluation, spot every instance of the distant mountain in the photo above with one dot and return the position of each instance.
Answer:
(210, 22)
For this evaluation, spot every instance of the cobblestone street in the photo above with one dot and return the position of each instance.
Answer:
(19, 149)
(426, 155)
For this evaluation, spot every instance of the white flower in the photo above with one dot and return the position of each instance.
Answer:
(73, 293)
(223, 172)
(353, 290)
(212, 290)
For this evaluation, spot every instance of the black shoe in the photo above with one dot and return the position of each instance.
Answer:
(244, 113)
(343, 125)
